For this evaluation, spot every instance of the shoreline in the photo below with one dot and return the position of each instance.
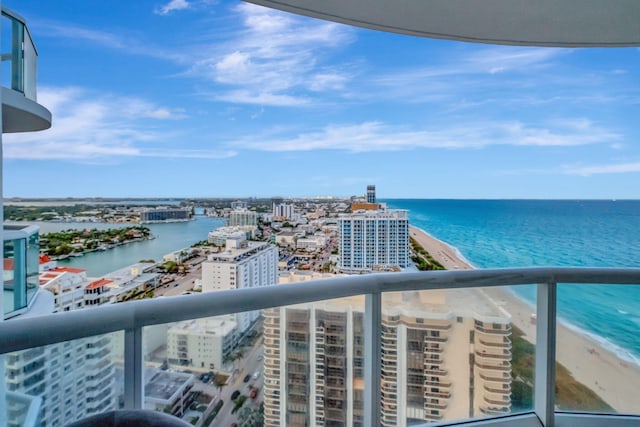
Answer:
(597, 367)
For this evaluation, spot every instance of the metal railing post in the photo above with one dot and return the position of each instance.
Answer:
(372, 359)
(133, 369)
(545, 368)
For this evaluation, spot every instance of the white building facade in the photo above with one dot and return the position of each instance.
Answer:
(202, 344)
(241, 217)
(243, 264)
(445, 355)
(370, 239)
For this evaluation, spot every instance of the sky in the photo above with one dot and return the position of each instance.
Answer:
(201, 98)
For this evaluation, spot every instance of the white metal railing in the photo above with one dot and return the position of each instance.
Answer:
(21, 334)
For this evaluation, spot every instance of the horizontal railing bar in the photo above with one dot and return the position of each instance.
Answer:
(23, 333)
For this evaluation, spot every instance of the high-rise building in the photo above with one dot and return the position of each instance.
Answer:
(373, 239)
(242, 217)
(371, 193)
(243, 264)
(445, 355)
(75, 379)
(238, 204)
(283, 211)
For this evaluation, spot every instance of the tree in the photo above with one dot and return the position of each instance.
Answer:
(250, 417)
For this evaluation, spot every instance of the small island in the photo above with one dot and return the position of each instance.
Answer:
(67, 243)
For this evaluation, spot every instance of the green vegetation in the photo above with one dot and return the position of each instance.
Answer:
(213, 413)
(45, 213)
(238, 403)
(80, 241)
(170, 267)
(422, 258)
(570, 394)
(251, 417)
(203, 243)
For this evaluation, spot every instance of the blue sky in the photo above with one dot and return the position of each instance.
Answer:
(223, 98)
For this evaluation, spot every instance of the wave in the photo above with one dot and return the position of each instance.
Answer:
(621, 352)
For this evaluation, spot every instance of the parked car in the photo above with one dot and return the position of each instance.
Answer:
(254, 392)
(256, 375)
(246, 378)
(235, 395)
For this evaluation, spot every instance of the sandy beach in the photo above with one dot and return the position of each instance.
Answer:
(614, 379)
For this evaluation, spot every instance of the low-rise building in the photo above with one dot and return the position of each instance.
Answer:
(202, 344)
(168, 391)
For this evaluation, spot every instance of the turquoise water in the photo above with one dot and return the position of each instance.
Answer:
(169, 237)
(525, 233)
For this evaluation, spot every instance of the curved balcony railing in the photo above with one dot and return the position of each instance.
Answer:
(131, 317)
(20, 107)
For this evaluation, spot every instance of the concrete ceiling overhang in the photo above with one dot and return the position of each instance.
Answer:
(557, 23)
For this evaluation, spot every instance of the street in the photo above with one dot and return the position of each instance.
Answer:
(248, 365)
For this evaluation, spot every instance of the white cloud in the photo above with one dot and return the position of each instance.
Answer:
(172, 6)
(273, 60)
(604, 169)
(377, 136)
(127, 43)
(89, 125)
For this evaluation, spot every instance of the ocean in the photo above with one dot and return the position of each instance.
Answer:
(527, 233)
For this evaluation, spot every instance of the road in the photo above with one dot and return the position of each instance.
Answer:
(181, 284)
(250, 363)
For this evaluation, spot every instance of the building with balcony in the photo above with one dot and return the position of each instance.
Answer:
(283, 211)
(445, 355)
(370, 239)
(313, 327)
(243, 217)
(242, 265)
(163, 214)
(20, 296)
(168, 391)
(73, 379)
(202, 345)
(220, 235)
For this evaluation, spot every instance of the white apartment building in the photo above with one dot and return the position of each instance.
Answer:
(371, 239)
(220, 235)
(243, 264)
(202, 344)
(311, 243)
(241, 217)
(75, 379)
(283, 210)
(239, 204)
(445, 355)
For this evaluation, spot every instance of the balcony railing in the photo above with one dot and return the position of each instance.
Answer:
(132, 317)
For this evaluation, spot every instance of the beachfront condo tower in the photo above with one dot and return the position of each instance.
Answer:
(373, 240)
(445, 355)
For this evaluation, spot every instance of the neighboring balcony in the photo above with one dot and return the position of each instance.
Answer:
(20, 273)
(415, 394)
(20, 109)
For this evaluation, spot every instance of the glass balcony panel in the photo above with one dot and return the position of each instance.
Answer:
(192, 368)
(455, 354)
(598, 353)
(68, 381)
(14, 276)
(30, 67)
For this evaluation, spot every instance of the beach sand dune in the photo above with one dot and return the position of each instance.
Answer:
(615, 380)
